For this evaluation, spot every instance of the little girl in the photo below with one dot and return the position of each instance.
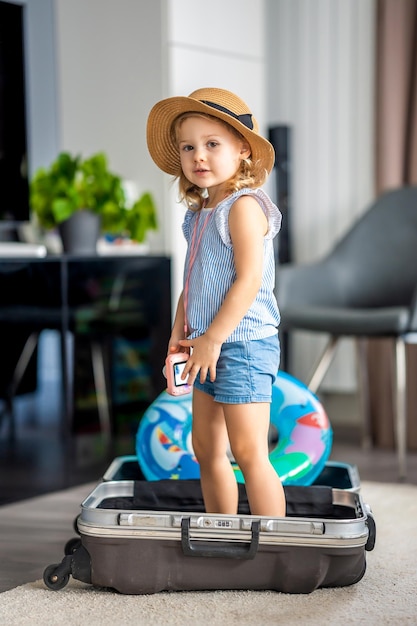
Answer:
(227, 315)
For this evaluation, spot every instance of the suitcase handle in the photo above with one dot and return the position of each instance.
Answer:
(224, 550)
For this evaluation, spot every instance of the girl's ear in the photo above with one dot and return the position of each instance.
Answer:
(245, 150)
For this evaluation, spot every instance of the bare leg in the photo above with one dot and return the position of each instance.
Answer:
(210, 443)
(248, 426)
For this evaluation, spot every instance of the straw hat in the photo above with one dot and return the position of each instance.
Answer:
(212, 101)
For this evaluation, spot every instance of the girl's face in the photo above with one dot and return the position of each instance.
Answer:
(210, 153)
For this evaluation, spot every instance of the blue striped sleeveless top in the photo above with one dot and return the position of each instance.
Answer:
(213, 272)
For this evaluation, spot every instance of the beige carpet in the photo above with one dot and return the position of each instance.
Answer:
(386, 595)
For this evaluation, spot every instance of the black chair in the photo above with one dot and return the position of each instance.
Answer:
(366, 287)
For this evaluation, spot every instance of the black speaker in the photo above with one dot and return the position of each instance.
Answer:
(280, 138)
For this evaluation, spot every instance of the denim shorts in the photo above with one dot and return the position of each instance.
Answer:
(246, 371)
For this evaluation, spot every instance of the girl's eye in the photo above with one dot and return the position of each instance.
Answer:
(212, 144)
(187, 148)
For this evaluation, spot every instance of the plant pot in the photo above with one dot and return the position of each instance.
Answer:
(80, 232)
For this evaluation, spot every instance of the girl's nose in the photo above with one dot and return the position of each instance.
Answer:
(199, 154)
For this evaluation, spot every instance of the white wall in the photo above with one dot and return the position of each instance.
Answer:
(320, 83)
(94, 69)
(110, 71)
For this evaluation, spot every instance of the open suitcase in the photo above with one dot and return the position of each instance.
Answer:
(141, 537)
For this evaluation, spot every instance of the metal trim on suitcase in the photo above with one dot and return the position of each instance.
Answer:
(99, 522)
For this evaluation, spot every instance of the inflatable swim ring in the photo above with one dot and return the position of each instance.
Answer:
(164, 449)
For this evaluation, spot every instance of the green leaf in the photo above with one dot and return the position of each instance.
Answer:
(72, 183)
(62, 209)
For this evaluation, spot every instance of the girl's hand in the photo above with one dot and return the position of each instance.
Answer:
(203, 358)
(174, 345)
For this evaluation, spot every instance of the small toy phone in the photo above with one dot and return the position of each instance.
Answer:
(174, 364)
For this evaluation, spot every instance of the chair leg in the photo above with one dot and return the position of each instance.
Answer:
(19, 371)
(99, 374)
(400, 407)
(322, 365)
(364, 396)
(23, 362)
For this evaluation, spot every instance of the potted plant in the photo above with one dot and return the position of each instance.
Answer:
(73, 189)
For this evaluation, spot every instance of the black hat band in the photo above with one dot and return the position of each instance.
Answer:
(245, 119)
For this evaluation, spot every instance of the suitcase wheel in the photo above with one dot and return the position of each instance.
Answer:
(54, 578)
(72, 545)
(76, 563)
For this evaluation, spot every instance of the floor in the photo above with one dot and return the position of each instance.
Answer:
(39, 459)
(43, 481)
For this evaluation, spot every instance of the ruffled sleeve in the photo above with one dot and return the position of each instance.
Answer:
(186, 225)
(271, 211)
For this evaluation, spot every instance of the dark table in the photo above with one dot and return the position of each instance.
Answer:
(99, 305)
